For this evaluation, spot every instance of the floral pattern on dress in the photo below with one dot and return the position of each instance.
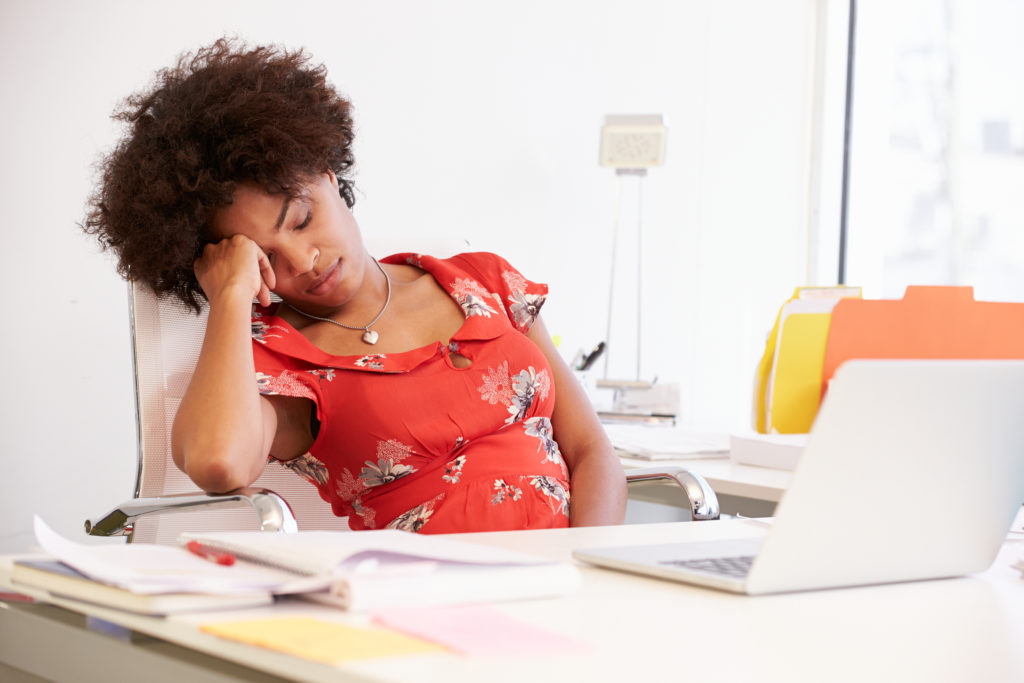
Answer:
(372, 360)
(514, 281)
(383, 472)
(515, 393)
(361, 465)
(523, 306)
(308, 467)
(527, 385)
(367, 514)
(453, 470)
(504, 491)
(322, 373)
(260, 328)
(541, 428)
(497, 386)
(347, 486)
(388, 467)
(285, 384)
(558, 496)
(472, 296)
(349, 489)
(413, 520)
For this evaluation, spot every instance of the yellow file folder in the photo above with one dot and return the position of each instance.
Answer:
(789, 374)
(796, 389)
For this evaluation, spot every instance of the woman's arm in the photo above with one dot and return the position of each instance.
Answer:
(224, 428)
(598, 484)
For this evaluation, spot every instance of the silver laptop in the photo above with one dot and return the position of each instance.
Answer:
(914, 469)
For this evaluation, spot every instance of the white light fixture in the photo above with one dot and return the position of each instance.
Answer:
(630, 143)
(633, 141)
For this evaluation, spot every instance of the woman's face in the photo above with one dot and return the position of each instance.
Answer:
(312, 241)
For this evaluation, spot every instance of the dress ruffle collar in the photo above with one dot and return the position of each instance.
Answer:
(485, 319)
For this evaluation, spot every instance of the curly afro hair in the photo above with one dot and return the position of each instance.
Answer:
(222, 116)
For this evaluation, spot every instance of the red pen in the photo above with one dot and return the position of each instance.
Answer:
(212, 554)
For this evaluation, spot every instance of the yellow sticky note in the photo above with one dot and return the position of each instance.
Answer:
(320, 640)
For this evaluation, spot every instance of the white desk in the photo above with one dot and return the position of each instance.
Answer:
(635, 628)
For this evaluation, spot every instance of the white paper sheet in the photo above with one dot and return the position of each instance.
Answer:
(652, 442)
(316, 552)
(451, 585)
(353, 570)
(373, 569)
(148, 568)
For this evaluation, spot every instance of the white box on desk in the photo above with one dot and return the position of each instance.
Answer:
(778, 451)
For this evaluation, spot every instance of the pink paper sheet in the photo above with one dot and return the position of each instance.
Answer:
(477, 630)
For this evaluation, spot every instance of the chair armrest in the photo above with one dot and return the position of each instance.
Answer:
(703, 501)
(273, 511)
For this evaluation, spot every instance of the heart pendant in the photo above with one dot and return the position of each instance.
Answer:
(370, 336)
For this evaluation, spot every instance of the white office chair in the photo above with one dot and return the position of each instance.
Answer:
(166, 338)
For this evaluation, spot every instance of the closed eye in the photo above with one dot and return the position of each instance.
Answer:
(304, 223)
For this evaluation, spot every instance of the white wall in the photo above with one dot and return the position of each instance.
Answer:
(476, 120)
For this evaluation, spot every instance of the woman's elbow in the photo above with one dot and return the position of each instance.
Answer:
(217, 476)
(216, 470)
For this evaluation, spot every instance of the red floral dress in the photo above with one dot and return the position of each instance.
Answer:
(410, 441)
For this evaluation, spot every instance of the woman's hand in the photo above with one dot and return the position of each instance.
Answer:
(235, 263)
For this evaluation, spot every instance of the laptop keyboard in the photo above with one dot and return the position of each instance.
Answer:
(732, 567)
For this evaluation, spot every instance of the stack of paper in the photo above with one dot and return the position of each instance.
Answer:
(154, 569)
(61, 580)
(352, 570)
(779, 451)
(650, 442)
(372, 569)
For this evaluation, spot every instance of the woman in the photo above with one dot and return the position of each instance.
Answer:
(413, 392)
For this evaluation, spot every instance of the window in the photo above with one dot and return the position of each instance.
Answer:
(937, 148)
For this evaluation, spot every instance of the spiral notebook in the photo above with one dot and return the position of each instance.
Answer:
(372, 569)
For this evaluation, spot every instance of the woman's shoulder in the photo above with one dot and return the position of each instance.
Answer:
(479, 265)
(478, 279)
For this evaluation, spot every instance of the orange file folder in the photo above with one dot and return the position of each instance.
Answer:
(928, 322)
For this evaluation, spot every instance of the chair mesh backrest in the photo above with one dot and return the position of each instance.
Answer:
(167, 337)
